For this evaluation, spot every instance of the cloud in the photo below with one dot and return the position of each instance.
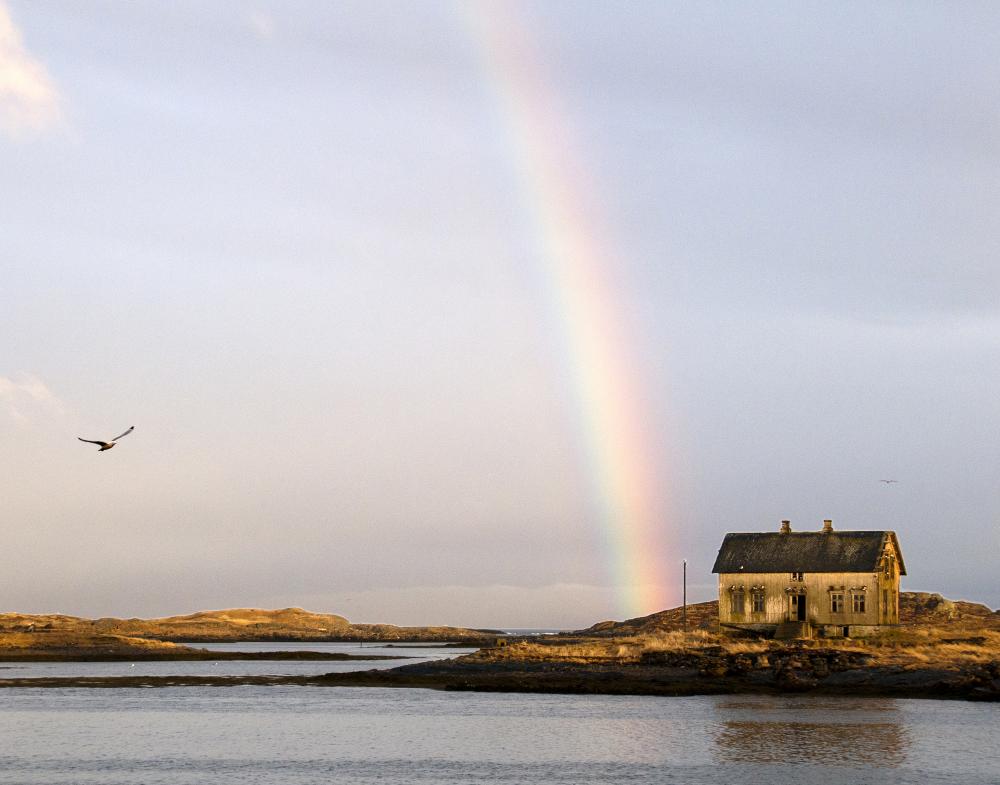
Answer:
(26, 397)
(261, 24)
(29, 101)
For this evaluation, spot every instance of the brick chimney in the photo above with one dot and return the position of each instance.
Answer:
(786, 527)
(827, 527)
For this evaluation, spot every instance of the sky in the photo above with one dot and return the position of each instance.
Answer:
(490, 314)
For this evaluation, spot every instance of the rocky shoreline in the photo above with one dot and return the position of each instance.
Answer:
(791, 670)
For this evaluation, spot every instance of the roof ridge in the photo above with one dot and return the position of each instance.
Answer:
(847, 550)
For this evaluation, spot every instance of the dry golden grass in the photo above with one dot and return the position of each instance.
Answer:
(700, 639)
(918, 647)
(16, 643)
(590, 651)
(229, 624)
(623, 650)
(946, 648)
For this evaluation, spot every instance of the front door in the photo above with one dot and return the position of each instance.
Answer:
(797, 609)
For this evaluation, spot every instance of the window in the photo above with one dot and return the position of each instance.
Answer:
(736, 600)
(858, 603)
(757, 601)
(836, 602)
(798, 577)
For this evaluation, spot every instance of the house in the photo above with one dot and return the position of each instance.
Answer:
(796, 584)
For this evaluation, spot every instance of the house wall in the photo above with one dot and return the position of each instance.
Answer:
(818, 588)
(888, 584)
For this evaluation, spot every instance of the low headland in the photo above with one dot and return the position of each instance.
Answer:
(942, 649)
(234, 625)
(57, 637)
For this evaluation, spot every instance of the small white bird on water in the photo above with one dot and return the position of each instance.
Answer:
(107, 445)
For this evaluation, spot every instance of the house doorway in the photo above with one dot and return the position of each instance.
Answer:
(797, 607)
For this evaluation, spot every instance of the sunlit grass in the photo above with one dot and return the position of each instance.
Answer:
(917, 647)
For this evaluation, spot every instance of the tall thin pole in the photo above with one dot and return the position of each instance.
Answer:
(685, 595)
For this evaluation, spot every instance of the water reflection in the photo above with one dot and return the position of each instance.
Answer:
(818, 731)
(310, 735)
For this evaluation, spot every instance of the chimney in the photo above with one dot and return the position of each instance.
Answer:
(786, 527)
(827, 527)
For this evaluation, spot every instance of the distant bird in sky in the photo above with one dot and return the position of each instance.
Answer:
(888, 481)
(107, 445)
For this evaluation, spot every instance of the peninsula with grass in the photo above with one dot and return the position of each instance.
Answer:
(41, 637)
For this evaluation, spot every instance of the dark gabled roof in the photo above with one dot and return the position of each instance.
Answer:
(836, 551)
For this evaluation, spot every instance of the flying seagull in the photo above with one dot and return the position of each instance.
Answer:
(107, 445)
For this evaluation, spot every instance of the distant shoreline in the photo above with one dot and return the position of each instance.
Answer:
(231, 625)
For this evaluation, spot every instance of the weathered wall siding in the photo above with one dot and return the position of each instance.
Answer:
(817, 588)
(889, 581)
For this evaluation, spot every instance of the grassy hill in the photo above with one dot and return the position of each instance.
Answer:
(234, 624)
(83, 646)
(915, 608)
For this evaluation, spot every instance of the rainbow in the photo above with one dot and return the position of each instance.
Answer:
(627, 487)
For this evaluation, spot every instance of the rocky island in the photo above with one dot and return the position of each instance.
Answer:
(944, 649)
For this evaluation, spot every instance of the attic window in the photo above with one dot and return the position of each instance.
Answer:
(798, 577)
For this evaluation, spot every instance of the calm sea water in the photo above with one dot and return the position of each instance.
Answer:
(299, 735)
(412, 653)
